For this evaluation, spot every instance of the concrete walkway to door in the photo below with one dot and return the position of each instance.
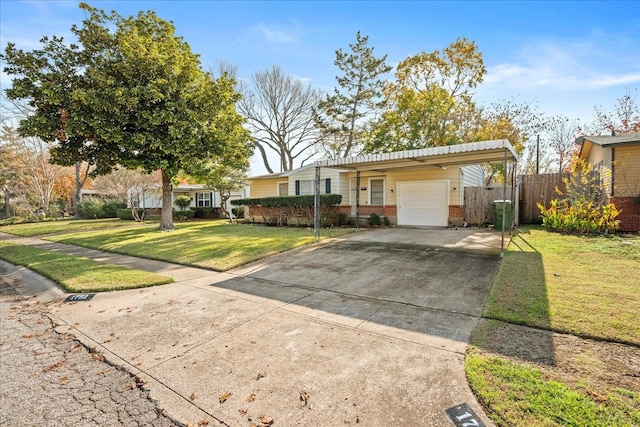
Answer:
(368, 329)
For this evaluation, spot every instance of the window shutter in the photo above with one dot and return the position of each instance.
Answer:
(297, 187)
(327, 186)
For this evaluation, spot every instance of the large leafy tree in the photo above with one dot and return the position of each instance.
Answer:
(42, 91)
(430, 92)
(359, 94)
(280, 114)
(143, 101)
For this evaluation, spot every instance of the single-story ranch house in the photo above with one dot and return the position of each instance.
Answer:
(422, 187)
(617, 159)
(200, 196)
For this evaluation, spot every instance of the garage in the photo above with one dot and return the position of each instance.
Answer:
(423, 203)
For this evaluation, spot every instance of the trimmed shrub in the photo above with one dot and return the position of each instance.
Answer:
(341, 219)
(90, 208)
(183, 215)
(291, 210)
(386, 221)
(374, 219)
(206, 212)
(287, 201)
(238, 212)
(182, 202)
(125, 214)
(110, 207)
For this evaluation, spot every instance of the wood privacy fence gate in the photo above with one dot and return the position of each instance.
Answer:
(534, 189)
(529, 191)
(478, 203)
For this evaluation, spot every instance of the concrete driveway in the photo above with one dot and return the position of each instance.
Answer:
(369, 329)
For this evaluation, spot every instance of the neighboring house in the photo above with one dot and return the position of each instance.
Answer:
(200, 196)
(617, 159)
(417, 187)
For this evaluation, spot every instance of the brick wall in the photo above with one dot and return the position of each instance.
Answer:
(456, 215)
(456, 211)
(629, 217)
(382, 210)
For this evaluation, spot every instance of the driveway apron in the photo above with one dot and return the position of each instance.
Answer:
(368, 329)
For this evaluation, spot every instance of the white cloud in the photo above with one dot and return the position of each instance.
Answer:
(278, 35)
(589, 64)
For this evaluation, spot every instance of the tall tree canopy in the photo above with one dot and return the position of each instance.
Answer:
(43, 87)
(624, 118)
(280, 114)
(430, 92)
(143, 101)
(359, 94)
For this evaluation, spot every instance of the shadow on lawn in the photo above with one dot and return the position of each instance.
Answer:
(518, 297)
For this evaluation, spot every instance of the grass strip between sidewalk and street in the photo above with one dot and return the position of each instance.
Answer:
(518, 394)
(215, 245)
(78, 274)
(585, 286)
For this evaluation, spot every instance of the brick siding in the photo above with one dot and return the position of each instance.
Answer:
(629, 217)
(456, 211)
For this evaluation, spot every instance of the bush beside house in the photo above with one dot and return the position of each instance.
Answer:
(291, 210)
(94, 208)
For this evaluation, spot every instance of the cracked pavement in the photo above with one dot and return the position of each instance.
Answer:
(49, 378)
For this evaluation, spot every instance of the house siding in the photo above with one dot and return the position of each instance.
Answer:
(472, 176)
(310, 174)
(627, 171)
(600, 159)
(266, 187)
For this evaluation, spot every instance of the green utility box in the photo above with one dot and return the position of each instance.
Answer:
(497, 214)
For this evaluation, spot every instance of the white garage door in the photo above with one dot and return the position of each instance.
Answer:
(423, 203)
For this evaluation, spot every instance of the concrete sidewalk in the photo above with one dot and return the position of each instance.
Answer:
(273, 340)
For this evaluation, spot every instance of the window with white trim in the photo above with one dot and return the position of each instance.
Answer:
(305, 186)
(376, 191)
(203, 200)
(283, 189)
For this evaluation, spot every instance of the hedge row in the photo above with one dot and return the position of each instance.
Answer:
(206, 212)
(289, 201)
(179, 215)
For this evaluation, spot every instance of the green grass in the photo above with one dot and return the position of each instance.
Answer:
(65, 226)
(78, 274)
(518, 394)
(215, 245)
(585, 286)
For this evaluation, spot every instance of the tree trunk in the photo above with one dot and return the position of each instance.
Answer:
(224, 196)
(7, 208)
(78, 194)
(166, 219)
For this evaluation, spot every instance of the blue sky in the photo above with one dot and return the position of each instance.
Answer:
(565, 56)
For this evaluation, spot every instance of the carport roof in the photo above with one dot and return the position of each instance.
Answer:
(461, 154)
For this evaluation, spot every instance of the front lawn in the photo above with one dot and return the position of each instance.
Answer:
(587, 287)
(65, 226)
(215, 245)
(78, 274)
